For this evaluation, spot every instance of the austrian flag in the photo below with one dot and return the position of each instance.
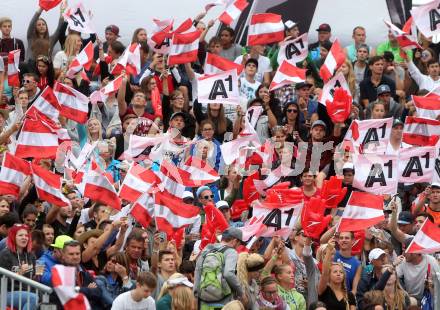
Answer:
(287, 74)
(233, 11)
(216, 64)
(184, 46)
(421, 131)
(12, 175)
(48, 185)
(82, 60)
(427, 239)
(363, 210)
(13, 62)
(265, 28)
(333, 61)
(74, 105)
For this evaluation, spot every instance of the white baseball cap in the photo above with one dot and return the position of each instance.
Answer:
(187, 194)
(222, 204)
(180, 281)
(375, 254)
(290, 24)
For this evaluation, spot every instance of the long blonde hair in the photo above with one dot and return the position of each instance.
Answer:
(245, 261)
(182, 298)
(70, 46)
(399, 295)
(350, 77)
(344, 283)
(164, 290)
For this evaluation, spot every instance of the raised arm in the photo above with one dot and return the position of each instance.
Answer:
(323, 281)
(31, 27)
(122, 105)
(395, 231)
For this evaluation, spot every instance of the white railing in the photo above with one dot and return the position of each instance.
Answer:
(8, 279)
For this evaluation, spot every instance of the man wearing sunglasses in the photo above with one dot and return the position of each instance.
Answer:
(205, 195)
(29, 82)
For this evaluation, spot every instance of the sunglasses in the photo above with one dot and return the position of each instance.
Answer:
(43, 58)
(292, 111)
(208, 196)
(26, 81)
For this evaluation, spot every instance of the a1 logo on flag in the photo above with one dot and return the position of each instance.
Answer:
(329, 88)
(219, 88)
(376, 174)
(79, 19)
(294, 50)
(416, 164)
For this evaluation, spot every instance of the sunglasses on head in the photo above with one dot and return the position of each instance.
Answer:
(208, 196)
(43, 58)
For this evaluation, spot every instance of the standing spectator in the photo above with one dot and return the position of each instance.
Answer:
(134, 248)
(359, 36)
(433, 206)
(393, 46)
(324, 34)
(111, 35)
(268, 297)
(391, 107)
(230, 50)
(176, 294)
(248, 272)
(140, 297)
(285, 277)
(431, 81)
(63, 58)
(264, 67)
(332, 287)
(248, 83)
(7, 42)
(51, 258)
(166, 266)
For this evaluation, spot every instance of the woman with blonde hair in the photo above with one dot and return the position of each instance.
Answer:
(248, 272)
(348, 72)
(395, 297)
(63, 58)
(285, 277)
(332, 289)
(176, 294)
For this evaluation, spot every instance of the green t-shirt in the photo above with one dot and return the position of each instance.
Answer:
(386, 46)
(164, 303)
(294, 299)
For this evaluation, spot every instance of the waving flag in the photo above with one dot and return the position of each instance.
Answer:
(184, 45)
(427, 106)
(47, 103)
(161, 35)
(137, 181)
(421, 131)
(219, 88)
(13, 70)
(363, 210)
(233, 11)
(272, 178)
(370, 136)
(98, 188)
(113, 86)
(13, 174)
(79, 19)
(38, 137)
(74, 104)
(129, 61)
(265, 28)
(287, 74)
(143, 209)
(333, 61)
(217, 64)
(294, 50)
(405, 40)
(83, 60)
(427, 239)
(64, 283)
(48, 185)
(172, 213)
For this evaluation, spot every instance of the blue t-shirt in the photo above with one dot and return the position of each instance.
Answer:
(350, 265)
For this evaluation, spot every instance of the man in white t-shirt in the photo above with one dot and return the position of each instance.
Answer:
(264, 67)
(138, 298)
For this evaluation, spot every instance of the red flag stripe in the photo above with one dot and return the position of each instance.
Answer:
(427, 239)
(175, 205)
(265, 28)
(431, 102)
(216, 64)
(367, 200)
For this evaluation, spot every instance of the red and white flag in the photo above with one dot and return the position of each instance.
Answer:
(38, 137)
(184, 45)
(13, 70)
(143, 209)
(217, 64)
(427, 106)
(48, 185)
(12, 175)
(333, 61)
(265, 28)
(98, 188)
(294, 50)
(172, 213)
(113, 86)
(370, 136)
(47, 103)
(405, 40)
(427, 239)
(74, 105)
(287, 74)
(83, 60)
(426, 16)
(138, 144)
(137, 181)
(421, 131)
(219, 88)
(329, 87)
(272, 178)
(416, 164)
(200, 171)
(280, 219)
(363, 210)
(376, 173)
(130, 61)
(161, 36)
(64, 284)
(233, 11)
